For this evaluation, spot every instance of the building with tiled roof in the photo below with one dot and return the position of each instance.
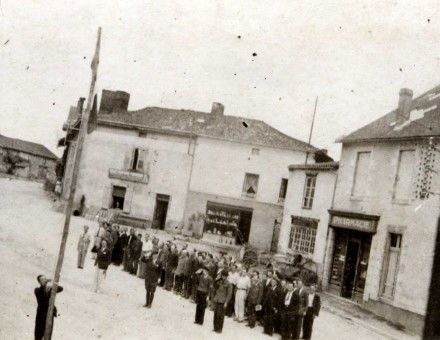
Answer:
(383, 221)
(26, 159)
(218, 177)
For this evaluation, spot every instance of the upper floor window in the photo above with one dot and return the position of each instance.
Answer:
(360, 180)
(138, 159)
(283, 190)
(309, 191)
(405, 175)
(250, 185)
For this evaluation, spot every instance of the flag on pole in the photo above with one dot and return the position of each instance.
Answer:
(95, 60)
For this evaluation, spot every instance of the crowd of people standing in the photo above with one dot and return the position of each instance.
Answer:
(221, 283)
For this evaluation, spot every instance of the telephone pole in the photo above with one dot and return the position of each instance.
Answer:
(81, 135)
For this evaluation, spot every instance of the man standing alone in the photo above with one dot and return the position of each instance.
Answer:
(313, 307)
(42, 294)
(83, 246)
(152, 274)
(222, 296)
(103, 259)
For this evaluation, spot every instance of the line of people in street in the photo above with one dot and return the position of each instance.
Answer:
(220, 283)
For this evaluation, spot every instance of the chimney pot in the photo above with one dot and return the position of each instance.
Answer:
(404, 106)
(218, 109)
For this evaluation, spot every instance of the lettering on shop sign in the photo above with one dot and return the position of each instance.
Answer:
(354, 223)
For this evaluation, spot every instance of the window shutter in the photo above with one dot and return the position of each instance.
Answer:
(141, 160)
(127, 160)
(106, 197)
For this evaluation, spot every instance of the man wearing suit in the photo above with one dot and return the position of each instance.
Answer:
(312, 311)
(289, 309)
(136, 253)
(222, 296)
(254, 298)
(42, 294)
(271, 306)
(298, 314)
(204, 286)
(152, 274)
(83, 246)
(127, 251)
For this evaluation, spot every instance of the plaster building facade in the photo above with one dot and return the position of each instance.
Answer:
(218, 177)
(26, 159)
(383, 222)
(305, 222)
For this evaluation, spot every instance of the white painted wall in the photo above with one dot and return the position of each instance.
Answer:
(417, 219)
(220, 167)
(325, 183)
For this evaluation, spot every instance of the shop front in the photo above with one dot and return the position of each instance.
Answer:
(227, 224)
(353, 234)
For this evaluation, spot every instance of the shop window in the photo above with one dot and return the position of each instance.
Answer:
(391, 265)
(405, 175)
(361, 171)
(250, 185)
(309, 191)
(303, 235)
(283, 190)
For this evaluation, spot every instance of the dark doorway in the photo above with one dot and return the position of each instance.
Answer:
(350, 270)
(244, 226)
(160, 211)
(118, 196)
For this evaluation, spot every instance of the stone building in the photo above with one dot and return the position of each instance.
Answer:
(26, 159)
(206, 174)
(305, 220)
(383, 222)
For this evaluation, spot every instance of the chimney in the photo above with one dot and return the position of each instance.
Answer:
(114, 101)
(404, 106)
(217, 109)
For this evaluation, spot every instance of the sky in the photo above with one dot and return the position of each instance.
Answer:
(265, 60)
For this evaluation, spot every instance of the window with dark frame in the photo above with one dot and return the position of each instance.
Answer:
(283, 190)
(250, 185)
(309, 191)
(303, 235)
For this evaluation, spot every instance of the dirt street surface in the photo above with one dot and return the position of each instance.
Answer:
(30, 232)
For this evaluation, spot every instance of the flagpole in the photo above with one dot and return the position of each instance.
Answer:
(69, 208)
(311, 129)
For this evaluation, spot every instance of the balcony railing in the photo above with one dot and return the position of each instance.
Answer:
(128, 175)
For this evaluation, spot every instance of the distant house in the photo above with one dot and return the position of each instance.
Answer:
(26, 159)
(218, 177)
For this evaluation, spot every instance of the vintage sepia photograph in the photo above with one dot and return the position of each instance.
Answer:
(218, 169)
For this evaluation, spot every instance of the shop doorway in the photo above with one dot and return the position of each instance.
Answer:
(160, 211)
(244, 226)
(118, 197)
(351, 263)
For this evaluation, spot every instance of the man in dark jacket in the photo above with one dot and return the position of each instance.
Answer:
(103, 259)
(152, 274)
(289, 309)
(203, 288)
(254, 297)
(42, 294)
(136, 252)
(172, 260)
(223, 294)
(299, 312)
(271, 306)
(127, 251)
(312, 311)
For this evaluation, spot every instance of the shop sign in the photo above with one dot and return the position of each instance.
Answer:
(368, 226)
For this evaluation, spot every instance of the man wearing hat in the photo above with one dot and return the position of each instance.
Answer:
(222, 296)
(204, 286)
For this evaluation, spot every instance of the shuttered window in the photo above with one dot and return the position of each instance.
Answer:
(361, 171)
(403, 186)
(309, 191)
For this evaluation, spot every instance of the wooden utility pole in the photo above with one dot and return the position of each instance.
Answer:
(69, 208)
(311, 128)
